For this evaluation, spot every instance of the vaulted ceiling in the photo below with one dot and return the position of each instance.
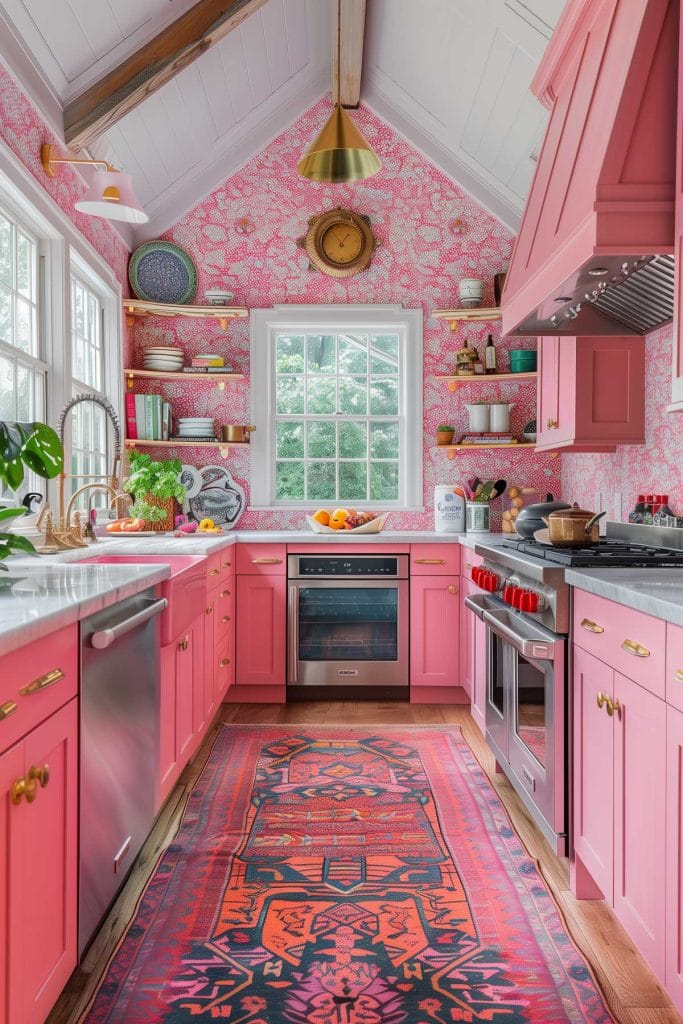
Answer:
(453, 76)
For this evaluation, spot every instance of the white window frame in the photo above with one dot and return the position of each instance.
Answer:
(265, 324)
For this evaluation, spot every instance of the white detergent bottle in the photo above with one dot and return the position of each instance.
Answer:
(449, 510)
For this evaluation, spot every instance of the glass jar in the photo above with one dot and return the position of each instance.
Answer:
(477, 516)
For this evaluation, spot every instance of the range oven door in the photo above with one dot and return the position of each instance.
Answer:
(348, 633)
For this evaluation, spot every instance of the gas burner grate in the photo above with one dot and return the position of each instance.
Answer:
(604, 555)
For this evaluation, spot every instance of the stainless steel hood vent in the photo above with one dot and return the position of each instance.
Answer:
(644, 299)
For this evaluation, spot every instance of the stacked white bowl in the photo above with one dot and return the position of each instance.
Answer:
(195, 426)
(163, 358)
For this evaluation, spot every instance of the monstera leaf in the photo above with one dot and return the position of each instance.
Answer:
(28, 444)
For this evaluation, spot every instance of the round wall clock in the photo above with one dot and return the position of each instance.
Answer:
(339, 243)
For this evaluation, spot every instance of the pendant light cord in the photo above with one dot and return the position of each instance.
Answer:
(337, 90)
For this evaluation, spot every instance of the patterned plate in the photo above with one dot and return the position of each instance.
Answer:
(162, 272)
(220, 497)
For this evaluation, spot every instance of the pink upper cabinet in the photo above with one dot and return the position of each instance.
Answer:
(604, 183)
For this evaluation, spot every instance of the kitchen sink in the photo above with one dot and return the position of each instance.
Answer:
(185, 590)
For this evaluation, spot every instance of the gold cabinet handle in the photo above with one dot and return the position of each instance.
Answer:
(214, 572)
(552, 424)
(591, 626)
(226, 618)
(612, 706)
(452, 589)
(42, 682)
(209, 610)
(19, 789)
(39, 775)
(28, 785)
(677, 675)
(225, 593)
(633, 647)
(226, 565)
(224, 662)
(602, 698)
(429, 561)
(468, 565)
(184, 644)
(7, 709)
(266, 561)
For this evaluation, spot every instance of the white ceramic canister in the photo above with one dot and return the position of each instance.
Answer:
(471, 291)
(500, 416)
(449, 510)
(479, 415)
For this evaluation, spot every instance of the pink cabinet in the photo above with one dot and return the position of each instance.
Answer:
(674, 856)
(591, 394)
(467, 640)
(261, 630)
(181, 712)
(39, 867)
(261, 560)
(434, 631)
(674, 666)
(435, 559)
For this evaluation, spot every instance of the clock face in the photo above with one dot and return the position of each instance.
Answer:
(341, 243)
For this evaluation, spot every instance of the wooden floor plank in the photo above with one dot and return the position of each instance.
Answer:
(632, 991)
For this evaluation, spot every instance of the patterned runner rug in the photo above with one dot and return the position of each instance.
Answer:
(345, 876)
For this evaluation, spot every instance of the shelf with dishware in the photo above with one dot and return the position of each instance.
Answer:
(471, 314)
(219, 379)
(138, 308)
(223, 447)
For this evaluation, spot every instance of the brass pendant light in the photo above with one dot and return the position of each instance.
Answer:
(340, 152)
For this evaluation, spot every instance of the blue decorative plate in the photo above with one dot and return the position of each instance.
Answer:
(162, 272)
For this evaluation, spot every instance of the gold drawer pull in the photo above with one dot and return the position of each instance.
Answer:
(7, 709)
(429, 561)
(612, 706)
(266, 561)
(452, 589)
(40, 775)
(226, 618)
(28, 785)
(42, 682)
(209, 610)
(677, 675)
(591, 626)
(468, 565)
(226, 565)
(224, 662)
(214, 572)
(602, 698)
(552, 424)
(183, 644)
(632, 647)
(225, 593)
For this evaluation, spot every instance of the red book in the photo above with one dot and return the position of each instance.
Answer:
(131, 424)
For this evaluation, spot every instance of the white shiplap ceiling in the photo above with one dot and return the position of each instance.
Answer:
(452, 75)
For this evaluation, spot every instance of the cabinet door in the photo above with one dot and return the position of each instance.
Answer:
(168, 725)
(184, 683)
(640, 818)
(480, 673)
(434, 630)
(593, 773)
(467, 641)
(548, 393)
(208, 681)
(261, 629)
(201, 669)
(674, 856)
(13, 878)
(44, 871)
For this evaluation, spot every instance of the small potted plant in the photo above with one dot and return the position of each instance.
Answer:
(444, 433)
(24, 444)
(156, 488)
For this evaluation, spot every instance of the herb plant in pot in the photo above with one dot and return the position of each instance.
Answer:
(156, 488)
(444, 433)
(25, 444)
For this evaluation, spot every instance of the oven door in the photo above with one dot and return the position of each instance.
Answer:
(348, 633)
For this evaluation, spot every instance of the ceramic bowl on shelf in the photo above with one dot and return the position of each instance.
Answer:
(218, 296)
(471, 292)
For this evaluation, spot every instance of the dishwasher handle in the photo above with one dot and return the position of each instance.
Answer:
(479, 604)
(540, 647)
(104, 638)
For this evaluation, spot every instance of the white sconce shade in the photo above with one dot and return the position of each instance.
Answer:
(111, 195)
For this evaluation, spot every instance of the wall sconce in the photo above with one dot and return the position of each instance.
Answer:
(110, 193)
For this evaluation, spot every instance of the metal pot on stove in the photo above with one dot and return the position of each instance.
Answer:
(530, 518)
(573, 527)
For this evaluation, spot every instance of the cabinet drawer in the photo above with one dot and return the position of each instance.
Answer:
(35, 681)
(630, 642)
(225, 668)
(435, 559)
(674, 665)
(261, 559)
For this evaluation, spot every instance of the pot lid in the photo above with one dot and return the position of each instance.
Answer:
(572, 513)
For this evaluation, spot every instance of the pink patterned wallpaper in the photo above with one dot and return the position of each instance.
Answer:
(245, 234)
(654, 468)
(24, 131)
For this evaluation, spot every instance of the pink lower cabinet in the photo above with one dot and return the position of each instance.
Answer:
(434, 638)
(39, 867)
(467, 641)
(261, 622)
(674, 856)
(180, 700)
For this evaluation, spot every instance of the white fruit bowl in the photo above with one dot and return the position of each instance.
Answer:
(374, 526)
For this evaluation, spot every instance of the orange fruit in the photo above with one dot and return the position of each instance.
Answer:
(322, 516)
(337, 524)
(338, 518)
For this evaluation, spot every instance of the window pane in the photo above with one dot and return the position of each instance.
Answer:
(25, 334)
(384, 353)
(384, 481)
(5, 251)
(353, 353)
(384, 396)
(322, 481)
(322, 443)
(321, 350)
(353, 482)
(321, 396)
(6, 319)
(353, 440)
(6, 389)
(290, 440)
(353, 396)
(25, 266)
(289, 354)
(290, 395)
(289, 481)
(384, 440)
(24, 394)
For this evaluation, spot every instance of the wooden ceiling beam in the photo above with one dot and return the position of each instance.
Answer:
(352, 24)
(89, 115)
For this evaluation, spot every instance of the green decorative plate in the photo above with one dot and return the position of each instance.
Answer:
(162, 272)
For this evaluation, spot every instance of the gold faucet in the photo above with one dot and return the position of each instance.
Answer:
(116, 496)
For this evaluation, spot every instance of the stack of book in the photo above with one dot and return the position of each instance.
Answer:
(488, 438)
(148, 418)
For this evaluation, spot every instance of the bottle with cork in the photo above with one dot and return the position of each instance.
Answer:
(490, 359)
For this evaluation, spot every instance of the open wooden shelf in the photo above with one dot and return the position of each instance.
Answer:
(218, 378)
(452, 449)
(454, 381)
(222, 446)
(475, 314)
(139, 308)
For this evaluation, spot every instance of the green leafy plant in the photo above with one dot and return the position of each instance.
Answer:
(445, 426)
(159, 479)
(36, 446)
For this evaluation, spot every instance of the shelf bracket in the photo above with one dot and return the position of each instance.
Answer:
(450, 454)
(224, 450)
(220, 384)
(130, 381)
(452, 386)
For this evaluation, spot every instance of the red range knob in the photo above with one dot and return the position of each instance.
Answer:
(476, 574)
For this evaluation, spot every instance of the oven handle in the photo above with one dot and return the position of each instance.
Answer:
(293, 621)
(478, 603)
(540, 648)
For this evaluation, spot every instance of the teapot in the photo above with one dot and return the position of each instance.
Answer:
(573, 527)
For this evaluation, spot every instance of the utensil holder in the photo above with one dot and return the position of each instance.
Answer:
(477, 516)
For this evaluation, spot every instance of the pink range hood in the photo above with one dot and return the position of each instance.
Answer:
(594, 251)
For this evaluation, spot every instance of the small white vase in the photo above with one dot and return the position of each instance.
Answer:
(500, 417)
(471, 291)
(479, 418)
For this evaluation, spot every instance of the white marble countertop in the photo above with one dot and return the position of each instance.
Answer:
(657, 592)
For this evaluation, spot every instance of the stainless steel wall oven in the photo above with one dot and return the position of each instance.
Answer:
(348, 625)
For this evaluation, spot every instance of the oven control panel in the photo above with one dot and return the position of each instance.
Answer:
(349, 567)
(511, 589)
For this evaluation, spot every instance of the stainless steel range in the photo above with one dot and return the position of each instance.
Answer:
(525, 604)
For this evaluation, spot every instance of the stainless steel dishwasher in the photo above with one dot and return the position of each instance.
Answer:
(119, 754)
